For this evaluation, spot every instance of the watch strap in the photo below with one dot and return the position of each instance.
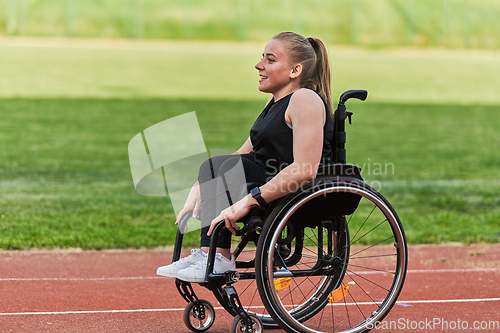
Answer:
(255, 192)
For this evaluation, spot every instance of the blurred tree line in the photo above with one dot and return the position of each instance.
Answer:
(370, 23)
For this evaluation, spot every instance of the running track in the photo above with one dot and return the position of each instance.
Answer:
(118, 291)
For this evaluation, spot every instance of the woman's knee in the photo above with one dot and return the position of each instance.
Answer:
(216, 166)
(205, 172)
(230, 164)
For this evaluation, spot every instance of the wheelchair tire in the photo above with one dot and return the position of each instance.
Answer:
(347, 281)
(238, 326)
(194, 321)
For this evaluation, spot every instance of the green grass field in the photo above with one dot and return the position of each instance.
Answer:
(68, 113)
(79, 68)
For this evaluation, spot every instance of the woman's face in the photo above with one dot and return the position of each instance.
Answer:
(275, 70)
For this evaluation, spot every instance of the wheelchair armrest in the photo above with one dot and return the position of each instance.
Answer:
(341, 170)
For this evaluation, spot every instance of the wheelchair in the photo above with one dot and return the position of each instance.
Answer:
(328, 257)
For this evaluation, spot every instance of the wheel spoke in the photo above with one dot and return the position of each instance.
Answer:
(369, 247)
(372, 269)
(374, 256)
(366, 293)
(366, 219)
(353, 242)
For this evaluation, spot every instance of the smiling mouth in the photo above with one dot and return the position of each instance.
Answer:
(262, 77)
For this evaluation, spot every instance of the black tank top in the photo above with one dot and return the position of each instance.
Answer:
(272, 137)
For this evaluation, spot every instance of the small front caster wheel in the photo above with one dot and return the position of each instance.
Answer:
(199, 318)
(239, 326)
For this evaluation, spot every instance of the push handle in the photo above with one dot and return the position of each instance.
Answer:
(355, 93)
(339, 135)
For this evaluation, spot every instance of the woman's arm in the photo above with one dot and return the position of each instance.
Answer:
(306, 112)
(193, 203)
(246, 148)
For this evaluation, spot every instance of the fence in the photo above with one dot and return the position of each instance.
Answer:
(373, 23)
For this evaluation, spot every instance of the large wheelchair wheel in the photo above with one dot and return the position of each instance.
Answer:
(331, 258)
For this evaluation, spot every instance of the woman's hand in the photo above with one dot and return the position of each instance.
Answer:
(192, 203)
(232, 214)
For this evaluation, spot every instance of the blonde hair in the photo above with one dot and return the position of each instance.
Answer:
(312, 54)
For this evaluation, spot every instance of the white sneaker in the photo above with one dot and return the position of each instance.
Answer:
(196, 272)
(172, 269)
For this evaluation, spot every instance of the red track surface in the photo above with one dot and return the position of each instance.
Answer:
(118, 291)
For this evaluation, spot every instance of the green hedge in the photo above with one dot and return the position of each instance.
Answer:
(380, 23)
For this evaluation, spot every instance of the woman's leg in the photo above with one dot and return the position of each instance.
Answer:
(222, 183)
(209, 171)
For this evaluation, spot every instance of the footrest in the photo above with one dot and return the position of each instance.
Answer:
(186, 290)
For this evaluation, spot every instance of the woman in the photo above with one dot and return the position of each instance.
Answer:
(287, 143)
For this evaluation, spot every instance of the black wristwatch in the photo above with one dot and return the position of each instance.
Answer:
(255, 192)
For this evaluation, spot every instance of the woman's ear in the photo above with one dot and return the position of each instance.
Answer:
(296, 71)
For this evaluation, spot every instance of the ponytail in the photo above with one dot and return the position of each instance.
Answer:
(312, 54)
(320, 80)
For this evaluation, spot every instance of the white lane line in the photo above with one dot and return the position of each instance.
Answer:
(472, 300)
(221, 308)
(88, 312)
(437, 183)
(427, 271)
(85, 279)
(395, 183)
(453, 270)
(411, 271)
